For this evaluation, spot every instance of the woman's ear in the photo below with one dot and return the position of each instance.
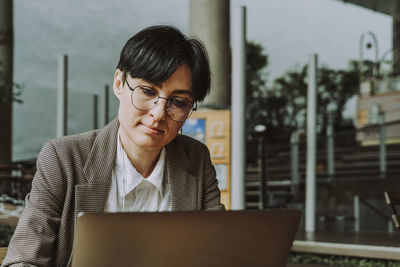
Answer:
(118, 83)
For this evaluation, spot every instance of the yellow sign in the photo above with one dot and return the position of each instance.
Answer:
(212, 127)
(362, 117)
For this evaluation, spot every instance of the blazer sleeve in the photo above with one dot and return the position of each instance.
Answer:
(211, 192)
(34, 239)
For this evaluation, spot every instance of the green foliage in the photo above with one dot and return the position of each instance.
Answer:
(256, 77)
(335, 88)
(291, 88)
(284, 105)
(6, 93)
(333, 260)
(6, 232)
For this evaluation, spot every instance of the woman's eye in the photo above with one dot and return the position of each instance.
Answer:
(180, 102)
(148, 91)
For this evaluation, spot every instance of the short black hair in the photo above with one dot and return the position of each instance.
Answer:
(155, 53)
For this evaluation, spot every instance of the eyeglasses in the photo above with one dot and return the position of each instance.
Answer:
(145, 98)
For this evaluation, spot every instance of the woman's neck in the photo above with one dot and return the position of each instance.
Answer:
(144, 161)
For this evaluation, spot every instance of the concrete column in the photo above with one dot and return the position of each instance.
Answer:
(396, 37)
(6, 80)
(209, 21)
(311, 144)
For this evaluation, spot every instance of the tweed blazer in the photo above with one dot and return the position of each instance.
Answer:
(74, 175)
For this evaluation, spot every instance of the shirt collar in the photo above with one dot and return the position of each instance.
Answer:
(157, 175)
(133, 178)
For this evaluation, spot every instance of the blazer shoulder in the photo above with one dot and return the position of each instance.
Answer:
(77, 142)
(187, 142)
(85, 141)
(188, 149)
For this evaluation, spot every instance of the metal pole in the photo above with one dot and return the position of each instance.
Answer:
(262, 172)
(294, 155)
(62, 98)
(390, 226)
(356, 213)
(330, 147)
(311, 144)
(105, 105)
(238, 109)
(382, 145)
(95, 111)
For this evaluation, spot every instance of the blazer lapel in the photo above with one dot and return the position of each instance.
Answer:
(183, 186)
(91, 197)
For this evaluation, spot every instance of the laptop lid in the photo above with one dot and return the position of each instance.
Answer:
(220, 238)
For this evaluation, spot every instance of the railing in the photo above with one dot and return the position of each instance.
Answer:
(330, 148)
(342, 157)
(357, 200)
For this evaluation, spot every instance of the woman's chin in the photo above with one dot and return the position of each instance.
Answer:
(149, 145)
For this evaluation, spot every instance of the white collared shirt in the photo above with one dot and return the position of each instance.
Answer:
(130, 191)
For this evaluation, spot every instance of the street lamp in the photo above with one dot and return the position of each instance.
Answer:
(369, 45)
(260, 129)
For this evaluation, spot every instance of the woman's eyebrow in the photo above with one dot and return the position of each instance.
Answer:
(144, 82)
(176, 91)
(182, 91)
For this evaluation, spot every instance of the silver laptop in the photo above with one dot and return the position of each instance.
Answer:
(185, 239)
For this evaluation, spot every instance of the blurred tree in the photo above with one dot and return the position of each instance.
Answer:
(283, 106)
(256, 76)
(262, 107)
(335, 88)
(256, 90)
(5, 94)
(291, 89)
(274, 107)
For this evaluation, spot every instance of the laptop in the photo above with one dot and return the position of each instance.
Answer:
(185, 239)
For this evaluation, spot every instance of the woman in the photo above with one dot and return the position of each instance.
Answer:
(138, 162)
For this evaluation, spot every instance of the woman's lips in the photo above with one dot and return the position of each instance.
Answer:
(152, 130)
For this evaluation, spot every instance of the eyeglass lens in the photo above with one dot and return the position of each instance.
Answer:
(145, 98)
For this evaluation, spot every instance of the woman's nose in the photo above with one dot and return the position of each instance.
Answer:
(159, 111)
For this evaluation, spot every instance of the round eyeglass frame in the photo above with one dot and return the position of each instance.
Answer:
(194, 103)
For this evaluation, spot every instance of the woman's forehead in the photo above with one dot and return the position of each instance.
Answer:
(179, 82)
